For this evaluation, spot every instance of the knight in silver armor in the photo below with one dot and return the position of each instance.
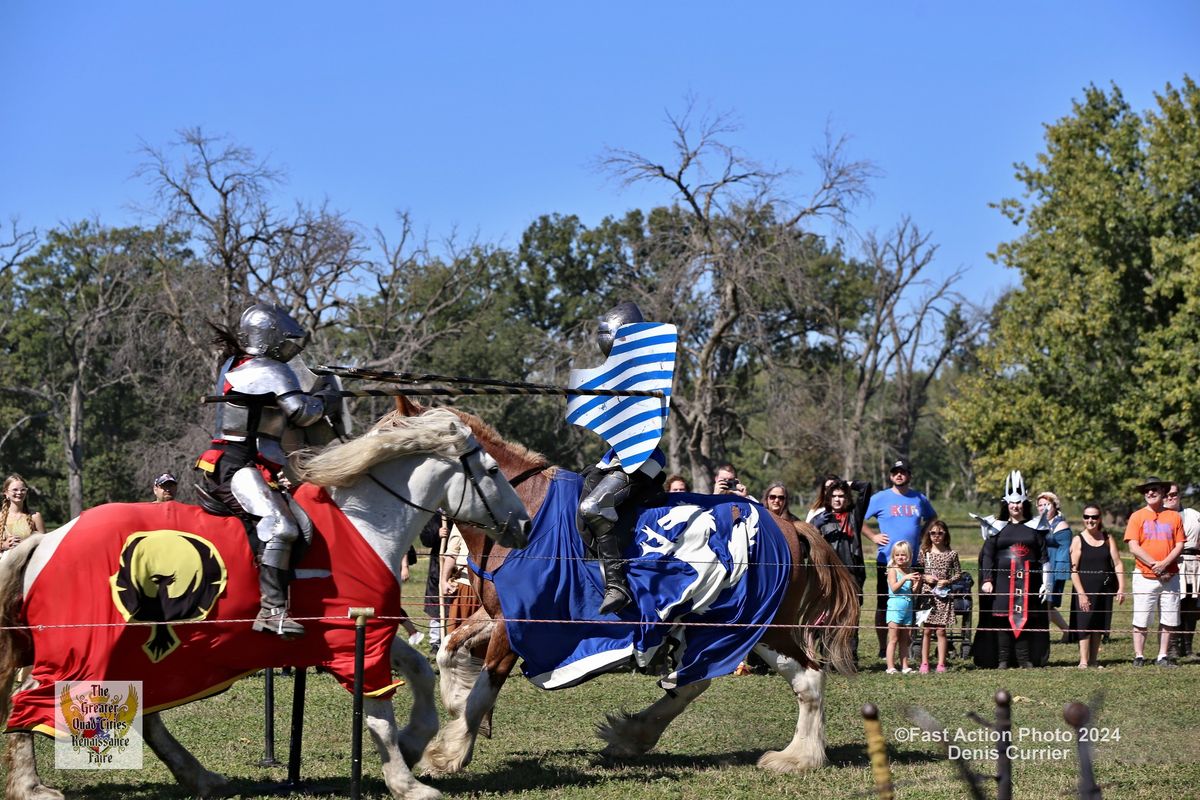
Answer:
(247, 455)
(611, 496)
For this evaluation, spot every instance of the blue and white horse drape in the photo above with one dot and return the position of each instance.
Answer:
(718, 560)
(642, 358)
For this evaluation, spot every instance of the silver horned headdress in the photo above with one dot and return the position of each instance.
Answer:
(1014, 488)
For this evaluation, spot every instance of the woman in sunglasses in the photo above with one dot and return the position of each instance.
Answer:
(1096, 574)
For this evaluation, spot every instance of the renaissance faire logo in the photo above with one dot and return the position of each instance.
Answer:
(98, 725)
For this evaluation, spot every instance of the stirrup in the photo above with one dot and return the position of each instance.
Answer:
(615, 599)
(276, 621)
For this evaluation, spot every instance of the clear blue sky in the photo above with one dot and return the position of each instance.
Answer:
(482, 116)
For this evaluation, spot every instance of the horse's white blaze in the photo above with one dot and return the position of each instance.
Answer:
(807, 748)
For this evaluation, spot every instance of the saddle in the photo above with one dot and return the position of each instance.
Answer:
(213, 505)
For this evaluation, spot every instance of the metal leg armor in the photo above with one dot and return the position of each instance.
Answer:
(599, 512)
(277, 529)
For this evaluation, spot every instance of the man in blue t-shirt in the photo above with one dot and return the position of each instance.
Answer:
(902, 514)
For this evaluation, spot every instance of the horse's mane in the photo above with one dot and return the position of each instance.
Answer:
(437, 431)
(500, 448)
(494, 443)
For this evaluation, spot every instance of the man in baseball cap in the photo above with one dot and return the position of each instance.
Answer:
(901, 513)
(1155, 538)
(164, 488)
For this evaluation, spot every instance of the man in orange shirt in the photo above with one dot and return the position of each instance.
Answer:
(1155, 538)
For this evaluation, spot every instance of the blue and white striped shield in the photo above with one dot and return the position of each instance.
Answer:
(642, 358)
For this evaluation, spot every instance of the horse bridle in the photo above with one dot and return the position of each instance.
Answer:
(464, 460)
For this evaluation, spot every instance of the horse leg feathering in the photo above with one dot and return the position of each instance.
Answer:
(455, 744)
(807, 748)
(635, 734)
(458, 668)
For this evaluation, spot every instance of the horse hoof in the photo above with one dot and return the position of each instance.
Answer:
(778, 761)
(212, 784)
(44, 792)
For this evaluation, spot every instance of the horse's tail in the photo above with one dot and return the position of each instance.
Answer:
(828, 615)
(16, 648)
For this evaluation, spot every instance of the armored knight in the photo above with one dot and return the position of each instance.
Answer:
(1014, 568)
(243, 465)
(611, 495)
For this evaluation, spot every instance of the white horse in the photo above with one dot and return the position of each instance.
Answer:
(387, 483)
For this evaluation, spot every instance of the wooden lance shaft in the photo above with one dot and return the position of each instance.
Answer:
(455, 391)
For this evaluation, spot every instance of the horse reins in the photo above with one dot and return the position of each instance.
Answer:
(475, 487)
(521, 477)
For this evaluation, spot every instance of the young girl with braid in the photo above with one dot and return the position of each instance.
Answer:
(17, 522)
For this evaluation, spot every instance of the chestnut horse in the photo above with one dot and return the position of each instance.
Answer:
(818, 615)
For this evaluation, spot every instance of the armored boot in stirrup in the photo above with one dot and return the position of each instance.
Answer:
(273, 616)
(616, 588)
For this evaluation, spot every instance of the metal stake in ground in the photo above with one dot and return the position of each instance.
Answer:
(360, 617)
(1003, 762)
(268, 759)
(299, 686)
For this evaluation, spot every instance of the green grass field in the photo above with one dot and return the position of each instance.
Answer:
(545, 746)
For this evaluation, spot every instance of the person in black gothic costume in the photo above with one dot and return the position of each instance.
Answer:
(1013, 582)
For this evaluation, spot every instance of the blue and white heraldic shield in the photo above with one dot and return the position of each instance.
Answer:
(642, 358)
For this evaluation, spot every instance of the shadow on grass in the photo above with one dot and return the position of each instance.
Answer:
(856, 755)
(521, 774)
(530, 773)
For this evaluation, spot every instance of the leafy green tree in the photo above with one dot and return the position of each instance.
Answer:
(1081, 385)
(75, 337)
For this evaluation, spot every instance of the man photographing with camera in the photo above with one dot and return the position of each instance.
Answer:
(726, 482)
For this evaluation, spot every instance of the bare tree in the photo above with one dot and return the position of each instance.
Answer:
(887, 341)
(219, 194)
(734, 230)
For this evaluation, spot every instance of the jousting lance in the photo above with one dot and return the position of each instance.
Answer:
(383, 376)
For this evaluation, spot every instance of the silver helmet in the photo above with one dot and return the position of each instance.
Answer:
(615, 317)
(267, 330)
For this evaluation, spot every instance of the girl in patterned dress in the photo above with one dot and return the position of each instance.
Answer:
(941, 570)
